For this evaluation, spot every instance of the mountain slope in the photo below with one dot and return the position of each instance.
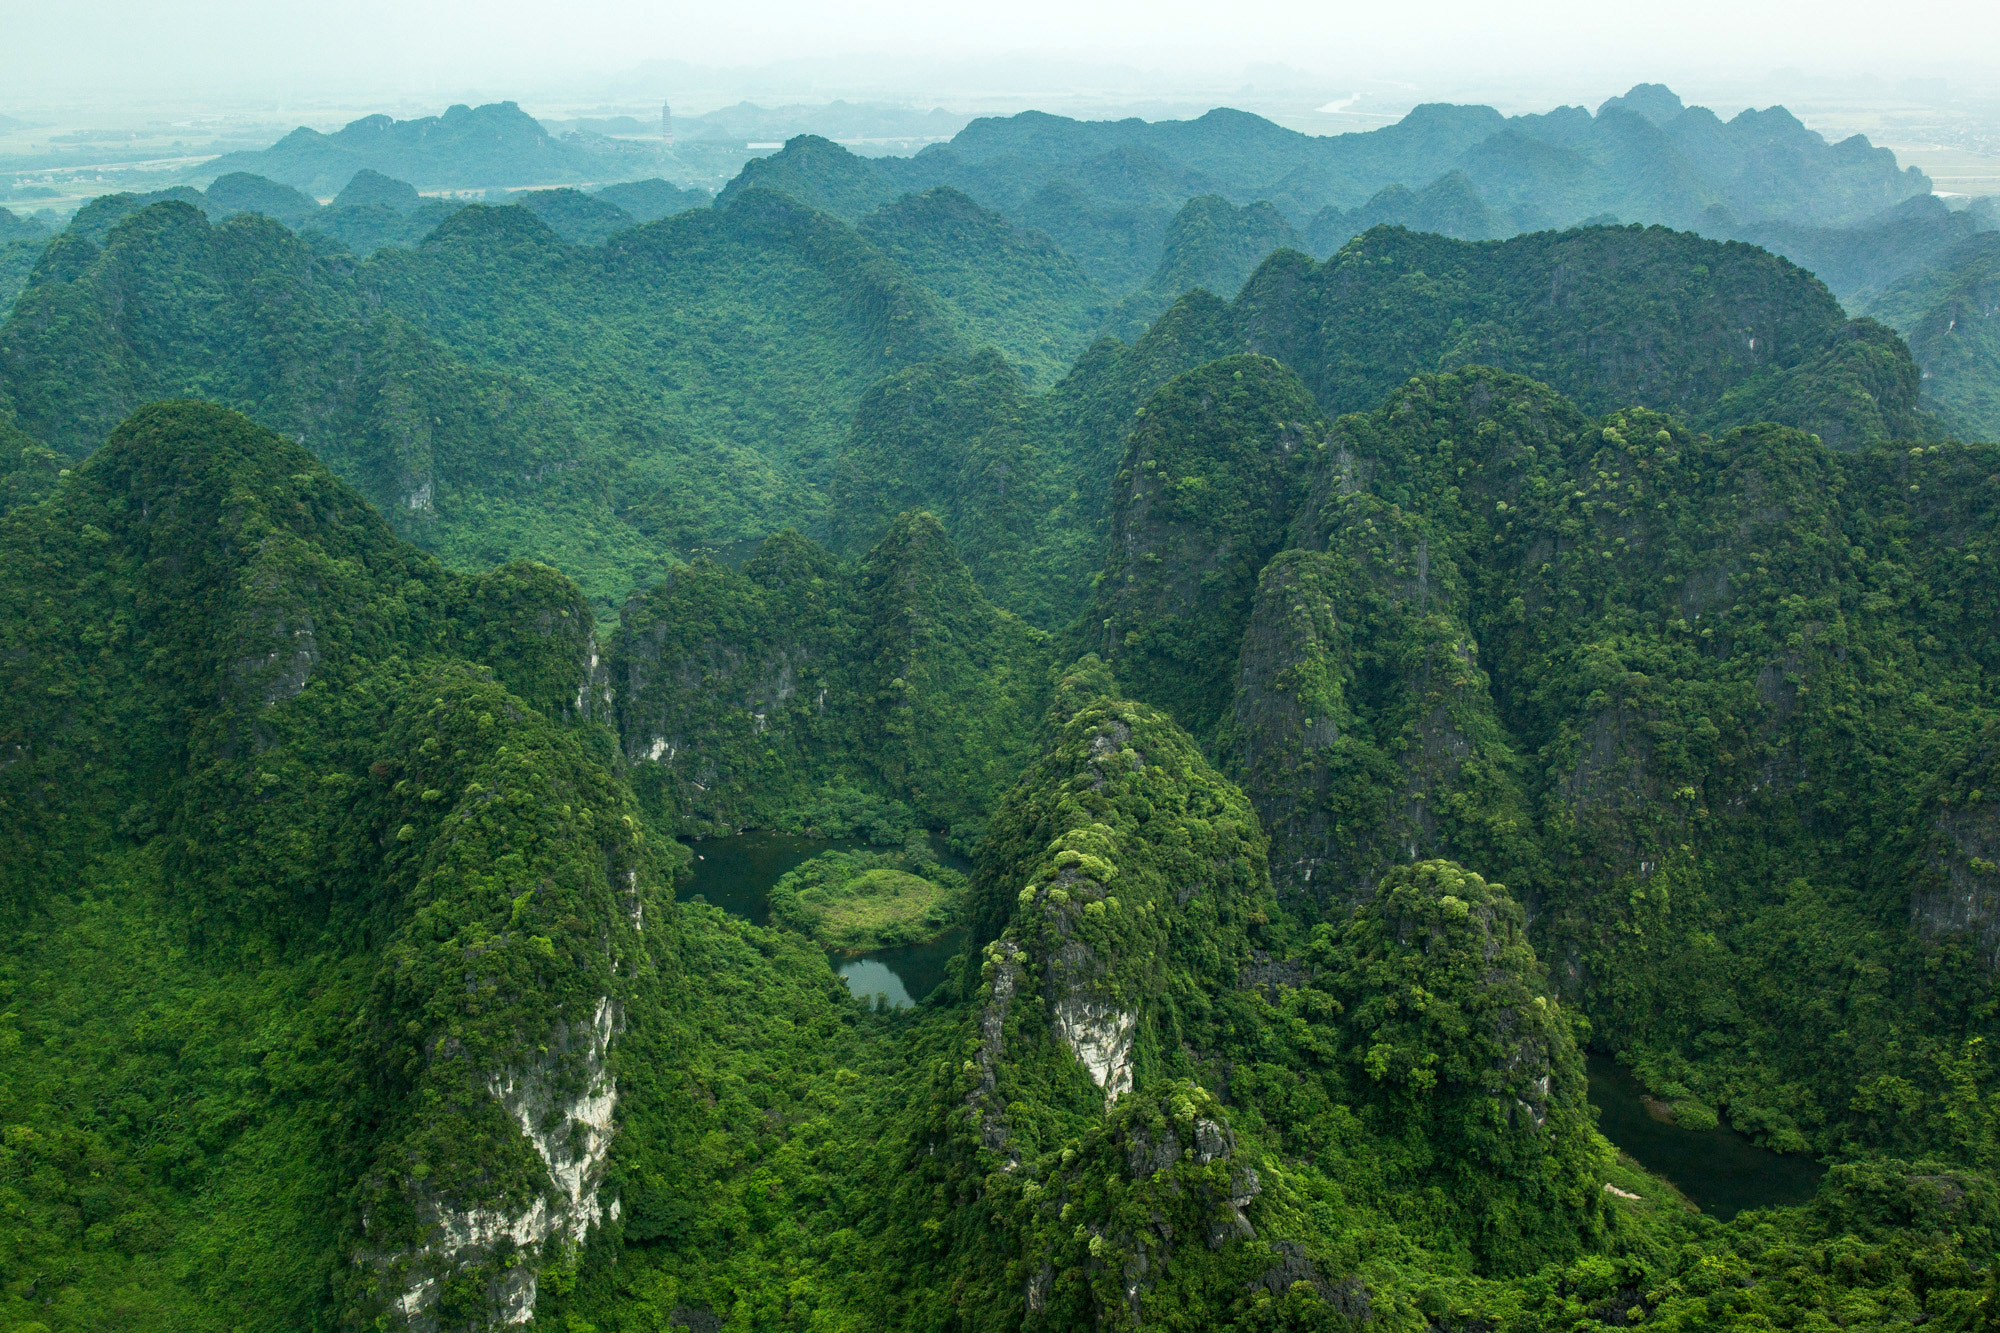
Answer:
(1612, 316)
(1608, 316)
(499, 390)
(494, 145)
(819, 174)
(1014, 291)
(1210, 244)
(476, 464)
(773, 696)
(1950, 312)
(1623, 665)
(757, 323)
(269, 739)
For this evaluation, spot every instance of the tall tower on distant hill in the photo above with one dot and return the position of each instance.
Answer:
(667, 123)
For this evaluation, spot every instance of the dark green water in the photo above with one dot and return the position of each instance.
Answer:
(902, 975)
(1721, 1172)
(736, 874)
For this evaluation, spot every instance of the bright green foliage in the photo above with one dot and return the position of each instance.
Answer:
(1203, 501)
(1449, 1040)
(1073, 1162)
(1017, 292)
(1677, 323)
(1076, 862)
(477, 465)
(342, 982)
(1123, 878)
(749, 1085)
(1726, 678)
(756, 698)
(323, 877)
(865, 900)
(254, 719)
(1887, 1244)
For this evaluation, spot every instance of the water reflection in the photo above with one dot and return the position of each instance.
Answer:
(871, 980)
(737, 874)
(901, 975)
(1721, 1171)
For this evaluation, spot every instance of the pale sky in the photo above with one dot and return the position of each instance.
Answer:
(77, 49)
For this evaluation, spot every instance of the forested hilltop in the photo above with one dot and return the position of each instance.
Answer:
(1355, 687)
(1103, 224)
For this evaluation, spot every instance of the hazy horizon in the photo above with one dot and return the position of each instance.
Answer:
(1519, 57)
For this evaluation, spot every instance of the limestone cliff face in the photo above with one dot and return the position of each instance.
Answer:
(1961, 895)
(373, 766)
(1120, 891)
(1122, 871)
(1362, 726)
(563, 1104)
(1955, 879)
(1203, 500)
(722, 682)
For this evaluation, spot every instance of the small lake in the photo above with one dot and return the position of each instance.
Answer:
(1721, 1171)
(737, 874)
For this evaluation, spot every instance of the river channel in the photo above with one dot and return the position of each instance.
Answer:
(1721, 1171)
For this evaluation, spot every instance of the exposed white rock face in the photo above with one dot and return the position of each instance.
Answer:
(1101, 1035)
(593, 692)
(1007, 960)
(573, 1139)
(636, 903)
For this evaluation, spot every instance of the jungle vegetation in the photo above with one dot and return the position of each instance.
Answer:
(1367, 671)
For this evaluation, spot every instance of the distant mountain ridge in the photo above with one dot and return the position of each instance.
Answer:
(465, 148)
(1107, 192)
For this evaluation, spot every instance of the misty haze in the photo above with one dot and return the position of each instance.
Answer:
(1076, 667)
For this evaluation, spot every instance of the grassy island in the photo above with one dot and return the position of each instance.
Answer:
(866, 900)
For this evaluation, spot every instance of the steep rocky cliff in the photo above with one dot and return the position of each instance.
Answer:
(1201, 502)
(743, 698)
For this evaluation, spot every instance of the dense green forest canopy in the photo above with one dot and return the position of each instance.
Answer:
(1374, 645)
(1133, 205)
(347, 984)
